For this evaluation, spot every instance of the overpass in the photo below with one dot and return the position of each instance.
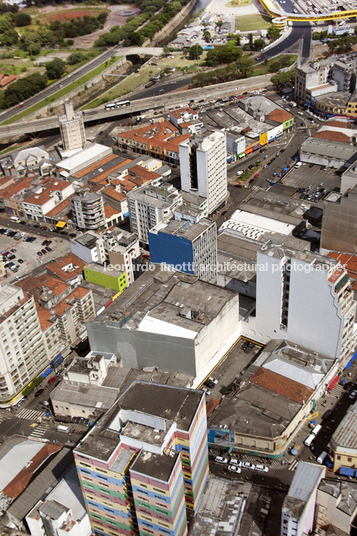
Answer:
(275, 11)
(169, 101)
(140, 51)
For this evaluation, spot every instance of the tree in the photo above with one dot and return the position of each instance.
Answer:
(75, 57)
(250, 40)
(22, 19)
(55, 68)
(283, 80)
(273, 33)
(195, 52)
(207, 35)
(259, 44)
(245, 65)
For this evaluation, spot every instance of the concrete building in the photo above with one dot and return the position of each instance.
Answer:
(88, 211)
(349, 178)
(293, 288)
(297, 517)
(153, 441)
(169, 320)
(106, 276)
(203, 168)
(72, 128)
(85, 401)
(266, 404)
(149, 205)
(189, 248)
(83, 159)
(336, 507)
(89, 247)
(41, 199)
(339, 224)
(22, 347)
(123, 250)
(344, 441)
(89, 370)
(62, 512)
(27, 163)
(323, 152)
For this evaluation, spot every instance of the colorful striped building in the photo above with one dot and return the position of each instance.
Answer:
(144, 465)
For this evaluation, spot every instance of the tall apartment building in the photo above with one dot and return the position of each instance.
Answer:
(123, 249)
(72, 128)
(306, 299)
(203, 168)
(89, 247)
(189, 247)
(146, 463)
(88, 210)
(149, 205)
(22, 349)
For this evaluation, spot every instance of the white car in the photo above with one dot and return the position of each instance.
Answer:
(239, 173)
(234, 469)
(236, 462)
(248, 465)
(262, 468)
(214, 380)
(221, 459)
(353, 395)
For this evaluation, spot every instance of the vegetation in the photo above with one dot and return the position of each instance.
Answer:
(225, 54)
(55, 68)
(195, 52)
(342, 44)
(249, 23)
(31, 386)
(22, 89)
(241, 68)
(283, 80)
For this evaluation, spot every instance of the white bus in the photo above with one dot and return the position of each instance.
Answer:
(309, 440)
(109, 107)
(114, 105)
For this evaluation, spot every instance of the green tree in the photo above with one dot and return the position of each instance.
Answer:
(250, 40)
(22, 19)
(207, 35)
(245, 65)
(75, 57)
(55, 68)
(283, 80)
(259, 44)
(195, 52)
(273, 33)
(8, 36)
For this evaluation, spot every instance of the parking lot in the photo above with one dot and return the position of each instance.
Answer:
(24, 254)
(314, 182)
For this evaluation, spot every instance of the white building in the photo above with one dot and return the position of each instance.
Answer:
(62, 512)
(45, 198)
(149, 205)
(72, 128)
(22, 350)
(122, 249)
(305, 298)
(297, 515)
(89, 247)
(203, 164)
(88, 210)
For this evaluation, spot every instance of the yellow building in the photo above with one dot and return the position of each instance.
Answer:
(352, 106)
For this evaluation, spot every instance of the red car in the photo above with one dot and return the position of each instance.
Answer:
(53, 379)
(256, 175)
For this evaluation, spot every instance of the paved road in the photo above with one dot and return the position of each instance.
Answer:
(53, 88)
(301, 32)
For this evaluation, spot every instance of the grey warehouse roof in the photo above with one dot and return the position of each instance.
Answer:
(306, 478)
(346, 432)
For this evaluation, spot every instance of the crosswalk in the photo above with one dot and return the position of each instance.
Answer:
(39, 431)
(30, 414)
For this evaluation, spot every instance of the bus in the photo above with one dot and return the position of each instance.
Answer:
(114, 105)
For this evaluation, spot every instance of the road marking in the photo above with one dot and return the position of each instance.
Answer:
(30, 414)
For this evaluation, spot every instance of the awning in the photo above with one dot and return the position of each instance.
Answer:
(333, 383)
(61, 224)
(353, 358)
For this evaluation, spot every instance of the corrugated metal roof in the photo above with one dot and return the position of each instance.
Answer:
(306, 478)
(16, 460)
(346, 432)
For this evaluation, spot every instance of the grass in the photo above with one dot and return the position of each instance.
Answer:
(264, 67)
(248, 23)
(45, 18)
(62, 92)
(11, 148)
(239, 3)
(142, 77)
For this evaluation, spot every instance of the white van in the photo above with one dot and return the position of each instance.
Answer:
(63, 429)
(316, 430)
(309, 440)
(322, 457)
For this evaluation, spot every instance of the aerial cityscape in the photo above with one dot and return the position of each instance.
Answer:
(178, 268)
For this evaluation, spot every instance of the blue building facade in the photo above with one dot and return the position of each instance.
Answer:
(171, 249)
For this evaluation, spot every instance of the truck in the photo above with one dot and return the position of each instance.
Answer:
(346, 471)
(62, 428)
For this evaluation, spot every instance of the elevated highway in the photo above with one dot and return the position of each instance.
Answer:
(275, 11)
(142, 105)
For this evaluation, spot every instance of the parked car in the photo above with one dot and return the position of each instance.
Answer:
(48, 249)
(262, 468)
(239, 173)
(248, 465)
(234, 469)
(353, 395)
(44, 252)
(234, 461)
(53, 379)
(39, 393)
(221, 459)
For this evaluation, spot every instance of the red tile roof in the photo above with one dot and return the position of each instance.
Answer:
(92, 167)
(281, 385)
(163, 135)
(280, 116)
(333, 135)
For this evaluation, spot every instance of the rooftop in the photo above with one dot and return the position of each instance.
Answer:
(345, 435)
(345, 493)
(159, 135)
(335, 149)
(89, 396)
(155, 465)
(95, 151)
(186, 229)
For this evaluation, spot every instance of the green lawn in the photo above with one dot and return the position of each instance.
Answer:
(62, 92)
(248, 23)
(264, 67)
(239, 3)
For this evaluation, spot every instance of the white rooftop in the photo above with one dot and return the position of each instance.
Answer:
(255, 226)
(17, 459)
(154, 325)
(94, 151)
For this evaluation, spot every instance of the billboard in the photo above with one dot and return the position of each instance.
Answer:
(275, 132)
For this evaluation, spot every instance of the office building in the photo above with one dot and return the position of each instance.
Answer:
(123, 250)
(170, 320)
(146, 464)
(22, 348)
(306, 299)
(72, 128)
(88, 210)
(297, 516)
(149, 205)
(89, 247)
(188, 247)
(203, 168)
